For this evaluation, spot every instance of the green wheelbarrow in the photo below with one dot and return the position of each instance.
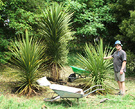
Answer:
(78, 72)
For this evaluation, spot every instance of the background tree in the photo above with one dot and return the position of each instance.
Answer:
(91, 19)
(127, 33)
(54, 27)
(15, 17)
(124, 13)
(20, 15)
(3, 39)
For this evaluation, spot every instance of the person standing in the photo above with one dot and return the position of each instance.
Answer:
(119, 64)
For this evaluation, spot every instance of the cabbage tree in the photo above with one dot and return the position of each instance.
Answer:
(56, 33)
(27, 56)
(93, 61)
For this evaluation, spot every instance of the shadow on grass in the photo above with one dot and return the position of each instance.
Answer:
(8, 87)
(12, 87)
(64, 103)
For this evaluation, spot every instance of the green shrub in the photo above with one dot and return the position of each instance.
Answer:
(72, 59)
(3, 49)
(130, 64)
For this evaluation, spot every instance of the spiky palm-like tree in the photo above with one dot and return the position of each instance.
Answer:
(27, 57)
(54, 27)
(94, 62)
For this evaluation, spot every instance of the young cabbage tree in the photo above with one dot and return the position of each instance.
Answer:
(27, 56)
(55, 31)
(94, 62)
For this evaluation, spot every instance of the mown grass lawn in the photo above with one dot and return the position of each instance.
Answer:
(9, 100)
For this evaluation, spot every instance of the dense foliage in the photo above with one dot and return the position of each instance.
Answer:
(15, 17)
(90, 19)
(130, 64)
(123, 11)
(127, 29)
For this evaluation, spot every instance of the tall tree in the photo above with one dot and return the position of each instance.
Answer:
(54, 27)
(124, 14)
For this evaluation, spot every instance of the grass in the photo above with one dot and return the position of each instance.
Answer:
(114, 102)
(9, 100)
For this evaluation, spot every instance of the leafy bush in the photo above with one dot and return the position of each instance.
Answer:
(130, 64)
(3, 49)
(72, 59)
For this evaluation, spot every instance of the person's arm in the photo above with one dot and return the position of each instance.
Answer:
(109, 57)
(123, 66)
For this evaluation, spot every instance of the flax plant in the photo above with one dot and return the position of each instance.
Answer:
(27, 57)
(94, 62)
(56, 33)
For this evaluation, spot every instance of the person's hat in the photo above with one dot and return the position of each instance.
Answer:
(118, 42)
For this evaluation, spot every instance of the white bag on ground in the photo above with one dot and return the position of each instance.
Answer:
(43, 81)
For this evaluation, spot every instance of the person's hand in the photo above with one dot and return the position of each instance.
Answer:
(121, 71)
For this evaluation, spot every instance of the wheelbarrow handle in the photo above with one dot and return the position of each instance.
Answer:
(52, 99)
(91, 88)
(92, 92)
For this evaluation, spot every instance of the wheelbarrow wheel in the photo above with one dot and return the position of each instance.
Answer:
(72, 77)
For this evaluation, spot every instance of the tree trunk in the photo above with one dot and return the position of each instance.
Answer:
(55, 74)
